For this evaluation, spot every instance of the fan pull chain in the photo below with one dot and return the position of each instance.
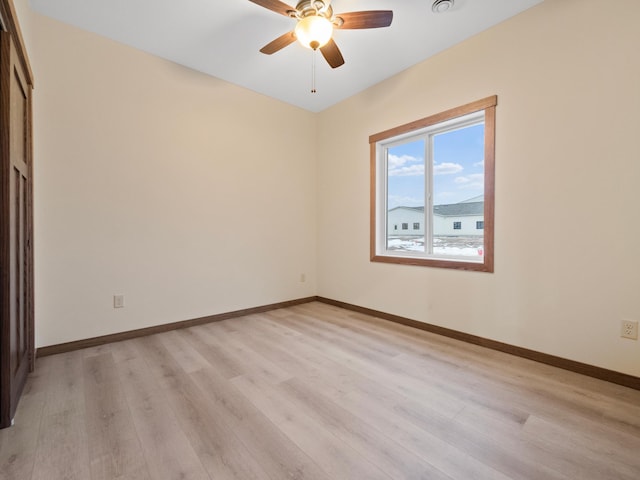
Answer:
(313, 71)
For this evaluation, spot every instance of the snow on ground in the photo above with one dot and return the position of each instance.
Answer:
(450, 246)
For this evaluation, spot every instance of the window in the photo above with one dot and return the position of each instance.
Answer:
(434, 169)
(395, 227)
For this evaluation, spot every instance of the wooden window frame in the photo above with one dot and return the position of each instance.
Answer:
(488, 105)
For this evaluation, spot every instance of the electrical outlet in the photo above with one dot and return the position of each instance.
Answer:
(118, 301)
(303, 278)
(629, 329)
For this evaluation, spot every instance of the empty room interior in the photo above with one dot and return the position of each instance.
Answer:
(229, 276)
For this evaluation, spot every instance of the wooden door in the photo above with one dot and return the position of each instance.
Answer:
(16, 283)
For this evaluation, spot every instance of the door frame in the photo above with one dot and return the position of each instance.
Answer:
(9, 23)
(9, 398)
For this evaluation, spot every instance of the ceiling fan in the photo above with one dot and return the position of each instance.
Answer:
(316, 21)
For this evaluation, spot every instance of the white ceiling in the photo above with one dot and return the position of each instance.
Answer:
(222, 38)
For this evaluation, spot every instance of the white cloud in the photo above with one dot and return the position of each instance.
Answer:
(447, 168)
(410, 170)
(396, 161)
(479, 164)
(473, 180)
(405, 165)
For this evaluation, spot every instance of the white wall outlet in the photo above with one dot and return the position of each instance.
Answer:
(629, 329)
(118, 301)
(303, 278)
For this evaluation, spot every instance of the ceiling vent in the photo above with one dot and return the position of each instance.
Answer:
(441, 6)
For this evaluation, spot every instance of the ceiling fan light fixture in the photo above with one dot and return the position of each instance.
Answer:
(314, 31)
(441, 6)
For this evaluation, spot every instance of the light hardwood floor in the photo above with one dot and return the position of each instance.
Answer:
(315, 392)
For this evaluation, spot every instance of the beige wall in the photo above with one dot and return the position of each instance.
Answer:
(567, 76)
(179, 190)
(187, 194)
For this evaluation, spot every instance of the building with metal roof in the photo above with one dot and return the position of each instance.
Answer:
(465, 218)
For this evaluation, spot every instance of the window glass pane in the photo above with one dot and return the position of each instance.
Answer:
(458, 192)
(406, 195)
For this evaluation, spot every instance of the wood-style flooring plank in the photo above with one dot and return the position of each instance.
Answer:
(62, 448)
(205, 340)
(62, 445)
(295, 357)
(274, 451)
(516, 460)
(167, 451)
(218, 447)
(379, 449)
(188, 358)
(486, 403)
(444, 455)
(236, 357)
(494, 392)
(592, 449)
(114, 446)
(386, 373)
(124, 350)
(485, 360)
(65, 392)
(18, 443)
(315, 392)
(337, 458)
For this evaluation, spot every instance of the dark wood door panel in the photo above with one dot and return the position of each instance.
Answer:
(16, 291)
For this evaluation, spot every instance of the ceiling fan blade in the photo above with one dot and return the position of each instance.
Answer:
(279, 43)
(368, 19)
(332, 55)
(275, 6)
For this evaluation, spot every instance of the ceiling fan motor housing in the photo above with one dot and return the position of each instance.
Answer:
(305, 8)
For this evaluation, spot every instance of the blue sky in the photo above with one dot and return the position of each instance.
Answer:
(458, 168)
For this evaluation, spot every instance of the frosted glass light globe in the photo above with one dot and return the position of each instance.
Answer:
(314, 31)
